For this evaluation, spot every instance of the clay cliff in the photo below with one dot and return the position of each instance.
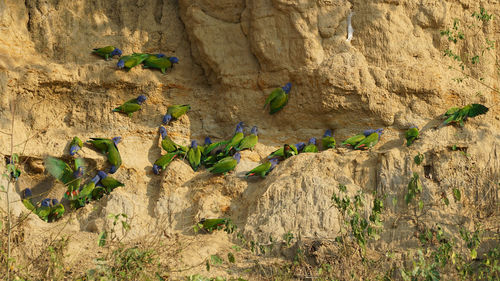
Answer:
(232, 54)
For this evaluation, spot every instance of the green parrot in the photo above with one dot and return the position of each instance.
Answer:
(354, 140)
(211, 160)
(212, 148)
(85, 194)
(114, 158)
(289, 151)
(108, 182)
(370, 141)
(278, 98)
(249, 141)
(43, 211)
(131, 106)
(164, 161)
(295, 149)
(167, 143)
(209, 225)
(56, 210)
(460, 115)
(311, 146)
(263, 169)
(107, 52)
(194, 155)
(175, 112)
(131, 61)
(27, 194)
(411, 135)
(225, 164)
(75, 145)
(69, 176)
(328, 141)
(236, 139)
(102, 144)
(161, 62)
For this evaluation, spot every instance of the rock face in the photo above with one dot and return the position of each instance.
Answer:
(232, 54)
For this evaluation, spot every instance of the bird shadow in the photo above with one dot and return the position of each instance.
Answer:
(153, 188)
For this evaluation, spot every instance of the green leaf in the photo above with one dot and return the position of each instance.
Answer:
(394, 201)
(102, 238)
(446, 201)
(230, 257)
(420, 205)
(456, 194)
(125, 225)
(215, 259)
(418, 158)
(473, 254)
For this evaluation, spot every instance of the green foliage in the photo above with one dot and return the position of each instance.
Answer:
(419, 158)
(121, 219)
(458, 35)
(288, 237)
(124, 264)
(356, 224)
(414, 189)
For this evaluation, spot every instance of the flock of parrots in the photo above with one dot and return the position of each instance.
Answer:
(218, 157)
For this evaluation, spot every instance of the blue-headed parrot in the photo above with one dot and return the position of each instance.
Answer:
(107, 52)
(131, 106)
(248, 142)
(311, 146)
(225, 164)
(328, 141)
(278, 98)
(174, 112)
(263, 169)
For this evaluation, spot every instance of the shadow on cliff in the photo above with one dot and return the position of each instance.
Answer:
(154, 184)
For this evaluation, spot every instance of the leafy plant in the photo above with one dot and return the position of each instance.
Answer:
(354, 224)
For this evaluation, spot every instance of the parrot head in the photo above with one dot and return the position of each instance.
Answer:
(254, 130)
(312, 141)
(328, 133)
(173, 60)
(160, 55)
(163, 132)
(46, 202)
(102, 175)
(97, 178)
(78, 173)
(116, 52)
(120, 64)
(300, 146)
(73, 149)
(141, 99)
(238, 130)
(113, 169)
(287, 87)
(237, 156)
(166, 119)
(116, 140)
(208, 141)
(194, 144)
(27, 193)
(55, 202)
(156, 169)
(368, 132)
